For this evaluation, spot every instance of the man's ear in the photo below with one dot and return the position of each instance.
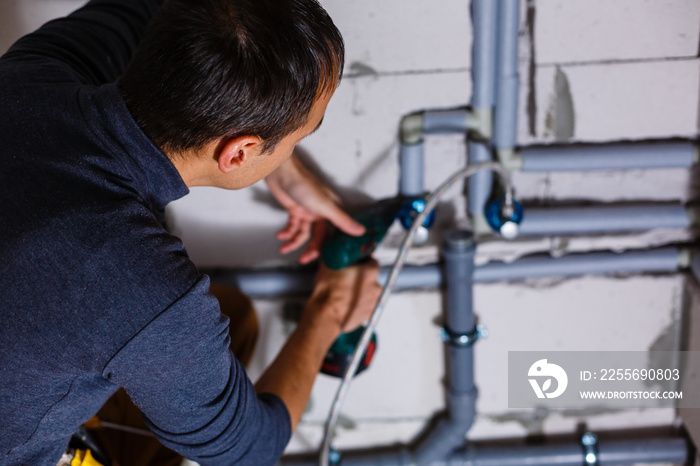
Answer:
(234, 152)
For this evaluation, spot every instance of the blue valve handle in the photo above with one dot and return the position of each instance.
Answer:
(497, 218)
(410, 210)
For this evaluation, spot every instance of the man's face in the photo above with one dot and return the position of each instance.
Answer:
(261, 165)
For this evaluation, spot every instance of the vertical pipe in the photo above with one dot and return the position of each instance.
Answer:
(484, 24)
(458, 250)
(506, 113)
(411, 167)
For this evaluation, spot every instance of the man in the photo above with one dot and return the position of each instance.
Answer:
(96, 295)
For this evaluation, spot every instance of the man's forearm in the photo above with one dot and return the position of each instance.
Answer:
(341, 301)
(291, 375)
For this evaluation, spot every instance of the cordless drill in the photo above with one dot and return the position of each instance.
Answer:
(342, 250)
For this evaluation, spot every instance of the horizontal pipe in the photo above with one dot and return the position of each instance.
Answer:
(445, 121)
(299, 281)
(623, 156)
(602, 219)
(392, 456)
(614, 452)
(595, 263)
(620, 452)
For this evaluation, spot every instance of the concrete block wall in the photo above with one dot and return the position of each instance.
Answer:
(591, 70)
(624, 70)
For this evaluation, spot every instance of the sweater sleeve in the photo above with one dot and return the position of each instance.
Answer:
(94, 44)
(194, 394)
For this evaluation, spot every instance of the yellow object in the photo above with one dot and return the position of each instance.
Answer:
(84, 458)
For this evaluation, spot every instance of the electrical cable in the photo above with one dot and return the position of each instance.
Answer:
(430, 203)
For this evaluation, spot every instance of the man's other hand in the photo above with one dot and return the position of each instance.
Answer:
(309, 204)
(341, 301)
(348, 296)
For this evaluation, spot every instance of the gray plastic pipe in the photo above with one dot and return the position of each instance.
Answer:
(505, 132)
(603, 219)
(616, 452)
(484, 48)
(595, 263)
(661, 450)
(583, 157)
(451, 121)
(625, 156)
(452, 427)
(438, 447)
(411, 149)
(298, 281)
(411, 169)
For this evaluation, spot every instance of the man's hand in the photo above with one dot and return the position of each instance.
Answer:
(346, 296)
(309, 204)
(342, 300)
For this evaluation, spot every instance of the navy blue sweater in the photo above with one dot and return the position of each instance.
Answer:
(94, 293)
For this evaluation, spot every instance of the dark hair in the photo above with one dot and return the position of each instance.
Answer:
(208, 69)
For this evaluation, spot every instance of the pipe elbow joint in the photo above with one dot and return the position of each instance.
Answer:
(411, 129)
(445, 438)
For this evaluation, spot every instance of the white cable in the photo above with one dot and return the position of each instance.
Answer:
(430, 203)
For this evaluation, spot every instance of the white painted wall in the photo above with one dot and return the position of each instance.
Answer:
(633, 72)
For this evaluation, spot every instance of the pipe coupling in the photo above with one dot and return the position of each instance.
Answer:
(463, 340)
(510, 159)
(480, 122)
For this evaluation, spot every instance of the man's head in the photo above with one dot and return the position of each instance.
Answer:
(218, 70)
